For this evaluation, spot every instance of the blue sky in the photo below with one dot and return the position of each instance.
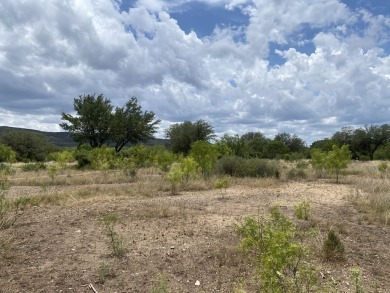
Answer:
(306, 67)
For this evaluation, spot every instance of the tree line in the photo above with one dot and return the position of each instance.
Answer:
(98, 123)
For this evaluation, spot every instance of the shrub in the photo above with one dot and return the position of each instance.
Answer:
(239, 167)
(116, 243)
(295, 173)
(302, 211)
(333, 248)
(34, 167)
(62, 158)
(6, 169)
(205, 155)
(7, 154)
(175, 176)
(280, 257)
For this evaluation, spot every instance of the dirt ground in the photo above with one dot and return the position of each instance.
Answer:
(188, 238)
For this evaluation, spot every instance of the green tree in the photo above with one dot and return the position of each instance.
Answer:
(205, 155)
(293, 142)
(92, 124)
(7, 154)
(254, 144)
(28, 145)
(131, 125)
(368, 140)
(338, 159)
(235, 143)
(274, 149)
(183, 135)
(324, 144)
(333, 161)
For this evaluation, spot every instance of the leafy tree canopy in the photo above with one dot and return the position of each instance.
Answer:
(93, 120)
(28, 145)
(131, 125)
(183, 135)
(97, 124)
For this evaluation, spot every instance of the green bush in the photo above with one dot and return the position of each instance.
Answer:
(34, 167)
(280, 257)
(333, 248)
(7, 154)
(82, 156)
(6, 169)
(295, 173)
(239, 167)
(302, 211)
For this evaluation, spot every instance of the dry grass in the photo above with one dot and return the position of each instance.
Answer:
(372, 193)
(71, 186)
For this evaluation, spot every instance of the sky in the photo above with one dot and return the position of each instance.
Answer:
(306, 67)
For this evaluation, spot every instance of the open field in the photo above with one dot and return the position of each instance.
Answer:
(60, 243)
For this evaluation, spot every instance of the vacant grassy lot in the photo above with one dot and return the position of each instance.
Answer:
(120, 233)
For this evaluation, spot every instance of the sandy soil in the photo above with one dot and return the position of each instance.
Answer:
(188, 237)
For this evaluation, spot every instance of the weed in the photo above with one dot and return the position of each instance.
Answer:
(223, 183)
(382, 168)
(105, 271)
(357, 279)
(333, 248)
(161, 285)
(116, 244)
(280, 256)
(302, 211)
(175, 176)
(53, 170)
(33, 167)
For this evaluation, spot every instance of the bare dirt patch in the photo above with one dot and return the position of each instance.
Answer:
(187, 238)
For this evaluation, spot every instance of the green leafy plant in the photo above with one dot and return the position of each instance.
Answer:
(280, 257)
(302, 210)
(333, 247)
(223, 183)
(116, 243)
(35, 167)
(333, 161)
(205, 155)
(175, 176)
(63, 158)
(53, 170)
(357, 279)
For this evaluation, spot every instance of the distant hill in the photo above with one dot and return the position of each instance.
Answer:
(63, 139)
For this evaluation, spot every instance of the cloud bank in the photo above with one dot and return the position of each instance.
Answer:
(332, 64)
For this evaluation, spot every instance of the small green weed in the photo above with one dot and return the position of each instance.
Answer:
(116, 243)
(161, 285)
(105, 271)
(223, 183)
(357, 280)
(302, 211)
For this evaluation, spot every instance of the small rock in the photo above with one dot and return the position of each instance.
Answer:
(197, 283)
